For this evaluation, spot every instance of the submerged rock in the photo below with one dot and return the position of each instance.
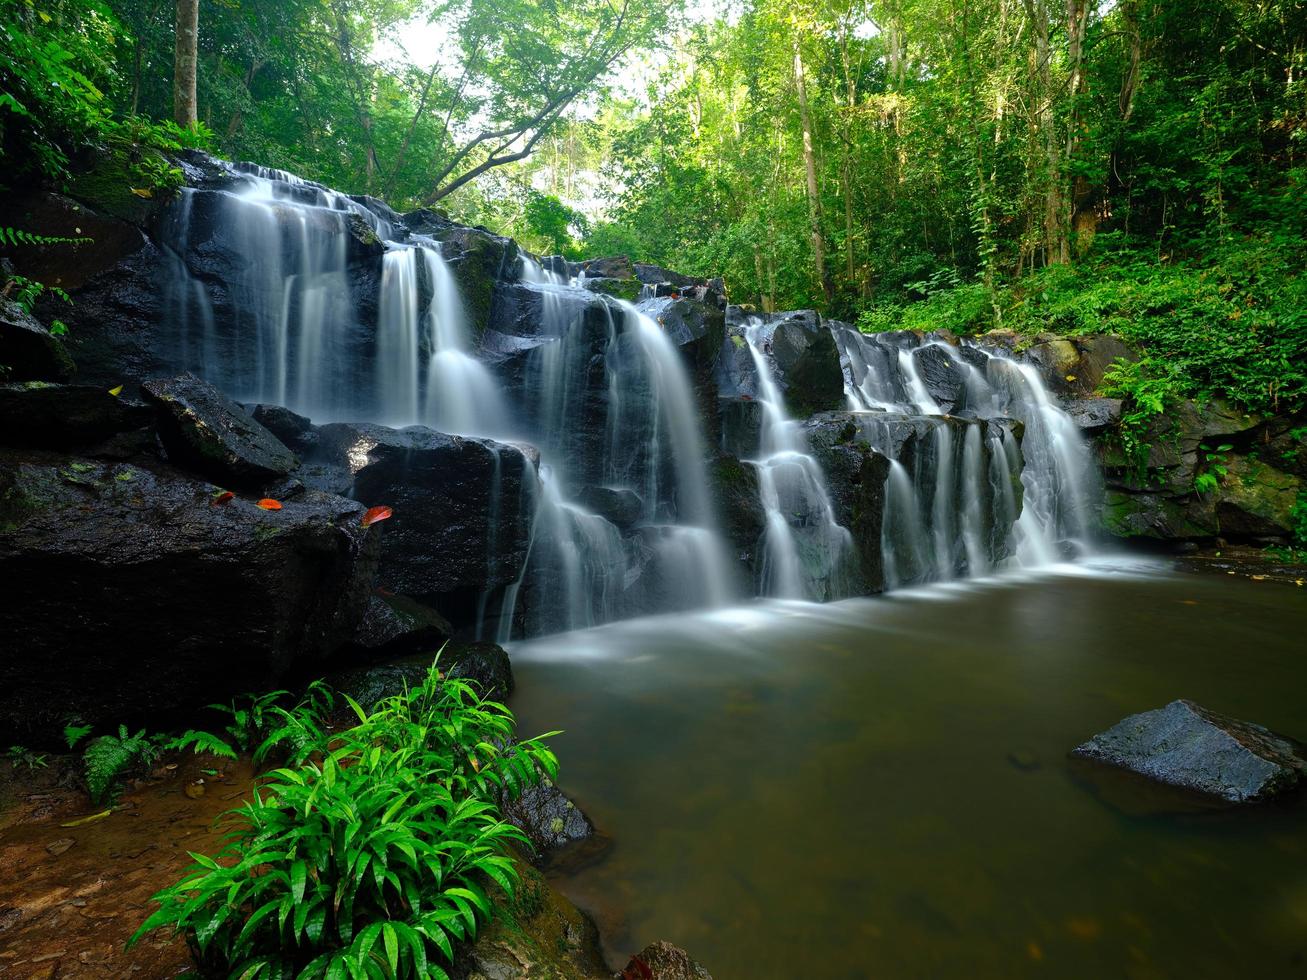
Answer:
(663, 961)
(204, 430)
(128, 590)
(1188, 746)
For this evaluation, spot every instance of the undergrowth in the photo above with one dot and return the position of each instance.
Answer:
(370, 857)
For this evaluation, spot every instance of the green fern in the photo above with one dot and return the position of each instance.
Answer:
(109, 757)
(18, 236)
(74, 733)
(203, 742)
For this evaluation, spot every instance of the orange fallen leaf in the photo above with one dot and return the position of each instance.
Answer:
(225, 497)
(267, 503)
(374, 514)
(144, 192)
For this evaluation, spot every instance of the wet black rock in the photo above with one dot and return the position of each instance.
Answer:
(485, 664)
(60, 416)
(293, 430)
(204, 430)
(1186, 745)
(176, 601)
(613, 267)
(855, 476)
(941, 375)
(548, 818)
(740, 426)
(663, 961)
(617, 505)
(1094, 415)
(478, 260)
(462, 510)
(393, 626)
(29, 350)
(803, 356)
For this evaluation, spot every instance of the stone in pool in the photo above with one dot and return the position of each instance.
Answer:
(1185, 745)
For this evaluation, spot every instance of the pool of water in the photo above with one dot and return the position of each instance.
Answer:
(881, 788)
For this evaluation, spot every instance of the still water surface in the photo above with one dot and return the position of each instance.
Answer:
(880, 787)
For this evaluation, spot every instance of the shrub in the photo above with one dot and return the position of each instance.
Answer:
(370, 860)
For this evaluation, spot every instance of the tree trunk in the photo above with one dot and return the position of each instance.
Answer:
(1057, 250)
(185, 56)
(810, 168)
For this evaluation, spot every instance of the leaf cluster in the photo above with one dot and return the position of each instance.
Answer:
(370, 858)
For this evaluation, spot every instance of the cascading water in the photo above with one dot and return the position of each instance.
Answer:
(806, 551)
(289, 293)
(607, 399)
(966, 479)
(302, 328)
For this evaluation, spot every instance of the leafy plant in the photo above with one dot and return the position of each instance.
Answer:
(1212, 468)
(110, 757)
(158, 175)
(1146, 395)
(371, 860)
(21, 755)
(74, 733)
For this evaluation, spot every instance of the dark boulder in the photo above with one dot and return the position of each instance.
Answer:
(617, 505)
(697, 328)
(61, 416)
(855, 477)
(29, 350)
(548, 818)
(463, 510)
(801, 353)
(291, 429)
(394, 625)
(204, 430)
(485, 664)
(663, 961)
(1094, 415)
(652, 275)
(1186, 745)
(98, 241)
(613, 267)
(808, 363)
(941, 374)
(478, 260)
(740, 426)
(175, 600)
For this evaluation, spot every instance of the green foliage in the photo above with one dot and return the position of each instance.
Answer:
(21, 755)
(1299, 517)
(156, 174)
(110, 757)
(74, 733)
(372, 858)
(1212, 467)
(17, 236)
(1146, 393)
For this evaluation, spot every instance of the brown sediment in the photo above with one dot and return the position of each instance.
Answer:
(68, 909)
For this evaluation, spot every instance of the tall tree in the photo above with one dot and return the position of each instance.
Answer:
(185, 59)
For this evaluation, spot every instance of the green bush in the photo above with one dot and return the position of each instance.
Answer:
(373, 858)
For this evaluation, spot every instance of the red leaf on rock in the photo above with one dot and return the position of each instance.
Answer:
(374, 514)
(267, 503)
(223, 498)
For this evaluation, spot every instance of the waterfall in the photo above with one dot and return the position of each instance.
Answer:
(951, 501)
(806, 551)
(287, 292)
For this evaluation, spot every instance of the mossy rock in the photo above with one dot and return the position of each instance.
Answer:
(627, 289)
(108, 187)
(1256, 499)
(1161, 518)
